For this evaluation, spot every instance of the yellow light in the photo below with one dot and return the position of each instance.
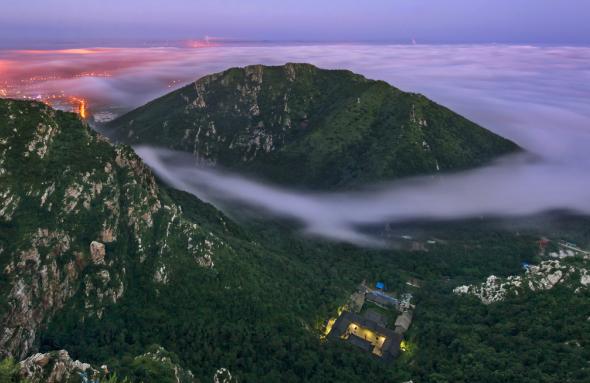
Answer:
(80, 105)
(83, 108)
(329, 326)
(404, 346)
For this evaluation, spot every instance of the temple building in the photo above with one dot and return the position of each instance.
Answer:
(367, 334)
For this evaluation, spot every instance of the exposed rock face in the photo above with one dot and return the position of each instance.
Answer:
(544, 276)
(97, 252)
(80, 201)
(166, 360)
(59, 367)
(223, 375)
(55, 367)
(303, 125)
(39, 288)
(108, 235)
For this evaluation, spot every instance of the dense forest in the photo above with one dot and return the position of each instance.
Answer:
(267, 329)
(258, 304)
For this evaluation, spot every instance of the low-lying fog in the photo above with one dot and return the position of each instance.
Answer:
(511, 187)
(536, 96)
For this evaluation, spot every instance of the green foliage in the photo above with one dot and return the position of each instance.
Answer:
(534, 337)
(257, 314)
(155, 365)
(259, 310)
(115, 379)
(9, 371)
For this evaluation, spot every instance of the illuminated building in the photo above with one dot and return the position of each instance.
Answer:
(366, 334)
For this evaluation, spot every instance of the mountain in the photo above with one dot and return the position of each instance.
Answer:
(76, 214)
(84, 226)
(104, 271)
(328, 128)
(101, 263)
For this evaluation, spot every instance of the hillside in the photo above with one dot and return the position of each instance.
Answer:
(328, 128)
(77, 215)
(101, 261)
(102, 265)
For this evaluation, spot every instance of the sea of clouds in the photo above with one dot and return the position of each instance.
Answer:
(537, 96)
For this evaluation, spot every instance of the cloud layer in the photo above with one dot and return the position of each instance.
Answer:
(537, 96)
(513, 187)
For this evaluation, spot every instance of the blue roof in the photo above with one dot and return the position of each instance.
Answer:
(380, 285)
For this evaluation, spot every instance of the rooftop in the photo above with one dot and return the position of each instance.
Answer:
(362, 331)
(376, 317)
(381, 298)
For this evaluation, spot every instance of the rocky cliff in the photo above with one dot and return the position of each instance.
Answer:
(75, 212)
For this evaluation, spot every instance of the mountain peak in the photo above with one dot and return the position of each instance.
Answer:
(328, 128)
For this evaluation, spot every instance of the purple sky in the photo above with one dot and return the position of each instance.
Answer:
(428, 21)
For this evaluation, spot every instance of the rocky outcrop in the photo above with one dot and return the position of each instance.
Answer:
(222, 375)
(56, 367)
(540, 277)
(169, 363)
(59, 367)
(39, 287)
(97, 252)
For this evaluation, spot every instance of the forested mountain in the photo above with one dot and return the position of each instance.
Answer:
(100, 259)
(300, 125)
